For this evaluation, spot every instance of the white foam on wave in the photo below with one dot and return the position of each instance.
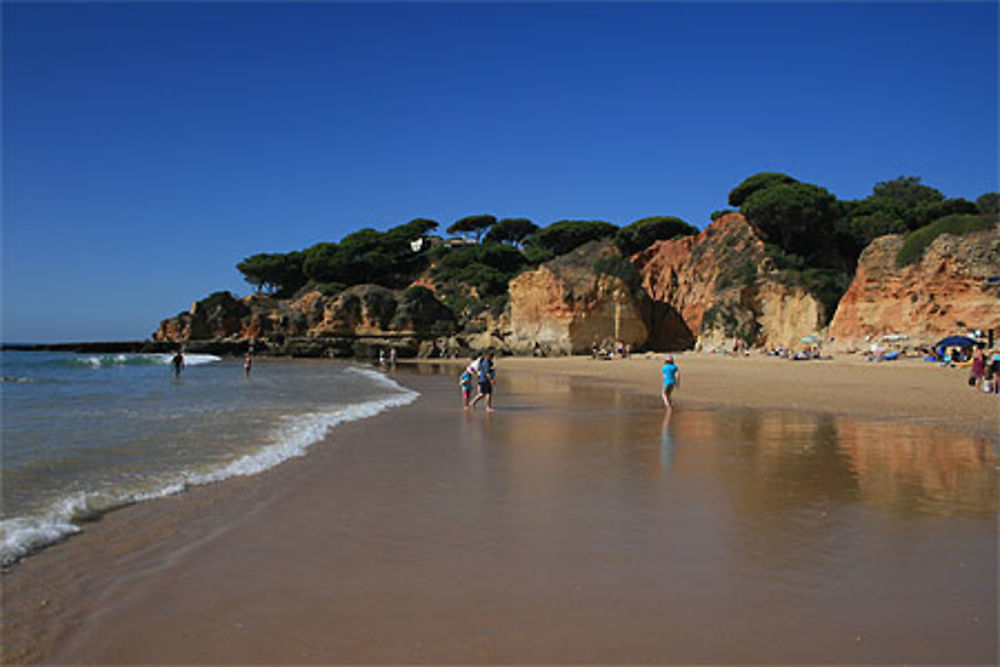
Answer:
(300, 432)
(24, 535)
(111, 360)
(21, 536)
(193, 359)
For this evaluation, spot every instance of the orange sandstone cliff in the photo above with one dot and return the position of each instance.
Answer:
(948, 291)
(720, 285)
(565, 306)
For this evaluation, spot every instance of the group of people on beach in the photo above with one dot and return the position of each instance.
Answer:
(482, 371)
(177, 363)
(985, 370)
(393, 355)
(605, 350)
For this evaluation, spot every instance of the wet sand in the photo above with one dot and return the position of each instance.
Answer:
(907, 390)
(573, 525)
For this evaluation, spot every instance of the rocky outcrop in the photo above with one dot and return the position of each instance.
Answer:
(214, 317)
(567, 304)
(949, 290)
(720, 286)
(354, 322)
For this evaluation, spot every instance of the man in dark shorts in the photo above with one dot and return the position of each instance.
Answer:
(486, 378)
(178, 363)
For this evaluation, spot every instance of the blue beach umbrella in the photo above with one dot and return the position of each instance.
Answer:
(955, 341)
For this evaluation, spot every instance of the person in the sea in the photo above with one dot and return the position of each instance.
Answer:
(465, 382)
(177, 363)
(671, 379)
(487, 378)
(247, 364)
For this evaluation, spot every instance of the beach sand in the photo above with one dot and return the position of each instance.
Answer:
(786, 512)
(907, 389)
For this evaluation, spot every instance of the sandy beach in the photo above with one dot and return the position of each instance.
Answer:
(908, 389)
(786, 512)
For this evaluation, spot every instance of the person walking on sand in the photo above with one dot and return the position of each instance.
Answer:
(671, 379)
(487, 378)
(177, 363)
(978, 367)
(465, 382)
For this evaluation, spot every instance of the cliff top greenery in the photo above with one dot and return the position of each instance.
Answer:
(814, 238)
(958, 224)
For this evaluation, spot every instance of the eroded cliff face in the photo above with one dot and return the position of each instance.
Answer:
(948, 291)
(720, 285)
(357, 312)
(565, 306)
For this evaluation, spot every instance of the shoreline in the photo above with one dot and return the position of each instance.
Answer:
(908, 389)
(429, 535)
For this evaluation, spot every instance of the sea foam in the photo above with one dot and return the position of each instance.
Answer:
(111, 360)
(21, 536)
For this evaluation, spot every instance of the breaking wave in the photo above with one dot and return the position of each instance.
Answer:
(23, 535)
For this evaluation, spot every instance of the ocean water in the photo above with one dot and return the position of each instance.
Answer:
(83, 434)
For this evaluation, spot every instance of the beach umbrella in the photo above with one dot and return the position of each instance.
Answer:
(811, 338)
(955, 341)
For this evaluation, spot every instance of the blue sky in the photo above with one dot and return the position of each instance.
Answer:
(148, 148)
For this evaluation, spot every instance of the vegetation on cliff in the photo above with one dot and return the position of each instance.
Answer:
(815, 239)
(470, 275)
(958, 224)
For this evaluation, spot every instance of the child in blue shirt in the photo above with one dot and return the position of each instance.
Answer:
(671, 379)
(466, 384)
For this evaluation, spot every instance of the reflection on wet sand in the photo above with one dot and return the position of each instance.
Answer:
(785, 459)
(576, 524)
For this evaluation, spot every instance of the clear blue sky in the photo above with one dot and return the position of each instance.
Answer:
(148, 148)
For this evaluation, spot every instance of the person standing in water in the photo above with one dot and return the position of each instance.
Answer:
(177, 363)
(487, 377)
(465, 382)
(671, 379)
(247, 364)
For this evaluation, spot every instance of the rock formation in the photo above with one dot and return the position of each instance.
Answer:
(948, 291)
(705, 291)
(313, 324)
(566, 305)
(720, 285)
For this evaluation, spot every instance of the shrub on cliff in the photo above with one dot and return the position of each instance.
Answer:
(280, 273)
(798, 217)
(511, 230)
(368, 256)
(472, 224)
(916, 242)
(757, 182)
(619, 267)
(988, 203)
(488, 267)
(858, 228)
(561, 237)
(905, 193)
(642, 233)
